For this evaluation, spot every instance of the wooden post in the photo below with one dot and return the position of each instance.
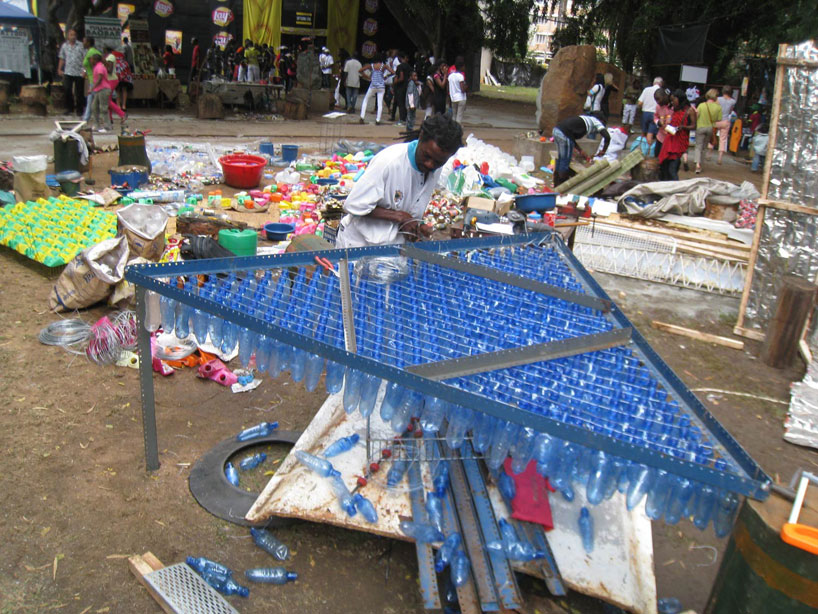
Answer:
(795, 301)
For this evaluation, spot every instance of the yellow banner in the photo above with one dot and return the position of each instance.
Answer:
(342, 23)
(262, 22)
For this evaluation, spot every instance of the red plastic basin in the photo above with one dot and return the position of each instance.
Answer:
(242, 170)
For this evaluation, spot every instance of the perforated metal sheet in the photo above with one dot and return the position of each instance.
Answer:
(187, 592)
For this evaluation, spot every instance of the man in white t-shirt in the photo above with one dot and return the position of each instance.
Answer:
(325, 61)
(352, 81)
(457, 91)
(647, 103)
(386, 205)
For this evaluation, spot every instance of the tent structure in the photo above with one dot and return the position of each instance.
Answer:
(11, 15)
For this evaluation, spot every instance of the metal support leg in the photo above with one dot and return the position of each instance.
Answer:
(143, 338)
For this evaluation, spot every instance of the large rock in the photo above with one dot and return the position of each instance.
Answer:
(565, 85)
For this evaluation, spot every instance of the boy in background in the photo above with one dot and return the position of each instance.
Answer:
(412, 100)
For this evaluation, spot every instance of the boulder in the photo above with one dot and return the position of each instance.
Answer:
(564, 86)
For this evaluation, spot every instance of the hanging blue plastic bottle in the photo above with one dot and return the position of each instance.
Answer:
(482, 431)
(391, 400)
(321, 466)
(341, 445)
(522, 450)
(641, 482)
(270, 543)
(251, 462)
(668, 605)
(364, 505)
(600, 478)
(507, 487)
(231, 474)
(335, 377)
(434, 412)
(440, 478)
(352, 389)
(421, 532)
(167, 310)
(658, 496)
(183, 314)
(247, 345)
(434, 510)
(271, 575)
(263, 429)
(586, 529)
(343, 495)
(460, 419)
(201, 318)
(725, 514)
(705, 505)
(403, 414)
(501, 444)
(396, 472)
(680, 494)
(445, 553)
(264, 352)
(459, 568)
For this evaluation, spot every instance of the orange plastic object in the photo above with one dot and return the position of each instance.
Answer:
(801, 536)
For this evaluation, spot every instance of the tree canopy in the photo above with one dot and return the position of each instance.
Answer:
(629, 28)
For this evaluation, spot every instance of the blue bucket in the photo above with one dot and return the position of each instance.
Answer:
(289, 153)
(134, 176)
(266, 148)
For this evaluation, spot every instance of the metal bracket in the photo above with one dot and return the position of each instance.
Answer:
(515, 357)
(426, 558)
(479, 270)
(143, 340)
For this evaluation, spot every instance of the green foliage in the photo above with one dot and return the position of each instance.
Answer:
(736, 26)
(506, 25)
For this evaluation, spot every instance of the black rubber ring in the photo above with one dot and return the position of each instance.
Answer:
(209, 485)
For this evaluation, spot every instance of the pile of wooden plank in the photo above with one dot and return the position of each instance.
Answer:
(599, 175)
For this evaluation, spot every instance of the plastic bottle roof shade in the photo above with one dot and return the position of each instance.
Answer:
(510, 326)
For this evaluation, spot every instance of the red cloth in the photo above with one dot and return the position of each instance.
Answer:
(530, 502)
(676, 144)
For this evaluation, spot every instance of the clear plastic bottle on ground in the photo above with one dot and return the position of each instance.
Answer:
(321, 466)
(421, 532)
(251, 462)
(271, 575)
(270, 543)
(263, 429)
(231, 474)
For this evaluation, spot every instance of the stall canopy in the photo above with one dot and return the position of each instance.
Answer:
(12, 16)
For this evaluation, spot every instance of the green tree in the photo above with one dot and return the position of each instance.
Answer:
(506, 25)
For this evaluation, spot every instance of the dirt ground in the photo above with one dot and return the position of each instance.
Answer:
(79, 499)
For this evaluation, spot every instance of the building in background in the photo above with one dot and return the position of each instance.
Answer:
(550, 17)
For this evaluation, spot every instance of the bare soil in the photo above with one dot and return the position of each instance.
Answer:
(78, 499)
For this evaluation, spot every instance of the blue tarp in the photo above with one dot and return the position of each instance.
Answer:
(11, 14)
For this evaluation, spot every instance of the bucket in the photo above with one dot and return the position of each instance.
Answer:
(130, 175)
(69, 182)
(266, 148)
(277, 231)
(289, 153)
(240, 242)
(242, 170)
(760, 574)
(132, 151)
(66, 155)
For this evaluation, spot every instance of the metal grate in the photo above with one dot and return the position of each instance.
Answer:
(185, 591)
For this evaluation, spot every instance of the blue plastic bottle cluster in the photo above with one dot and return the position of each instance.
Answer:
(609, 392)
(218, 576)
(512, 546)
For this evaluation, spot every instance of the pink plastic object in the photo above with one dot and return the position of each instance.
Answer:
(256, 194)
(217, 371)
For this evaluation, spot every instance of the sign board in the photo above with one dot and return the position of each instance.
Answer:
(14, 54)
(141, 44)
(163, 8)
(105, 31)
(693, 74)
(123, 11)
(302, 16)
(222, 16)
(174, 39)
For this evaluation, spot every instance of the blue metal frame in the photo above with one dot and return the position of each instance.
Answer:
(755, 483)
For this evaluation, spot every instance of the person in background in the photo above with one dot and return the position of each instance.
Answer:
(606, 95)
(377, 87)
(386, 205)
(593, 101)
(677, 136)
(693, 94)
(707, 114)
(88, 43)
(102, 94)
(568, 132)
(325, 61)
(48, 64)
(647, 102)
(71, 70)
(412, 100)
(195, 62)
(457, 90)
(453, 68)
(127, 51)
(340, 87)
(251, 55)
(761, 139)
(112, 80)
(352, 82)
(168, 61)
(404, 73)
(726, 102)
(392, 63)
(661, 116)
(629, 97)
(440, 83)
(755, 118)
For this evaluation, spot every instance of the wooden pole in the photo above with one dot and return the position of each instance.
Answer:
(765, 187)
(592, 170)
(795, 301)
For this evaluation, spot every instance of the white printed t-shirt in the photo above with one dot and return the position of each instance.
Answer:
(455, 79)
